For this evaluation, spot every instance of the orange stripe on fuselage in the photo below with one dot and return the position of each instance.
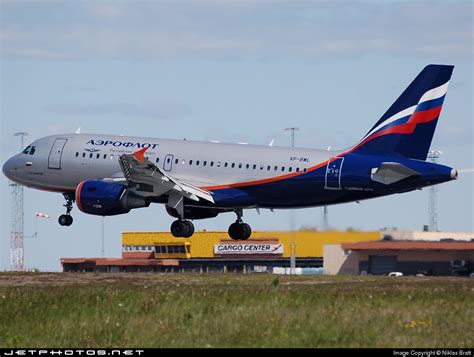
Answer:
(267, 180)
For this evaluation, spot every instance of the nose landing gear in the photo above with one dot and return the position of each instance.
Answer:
(66, 219)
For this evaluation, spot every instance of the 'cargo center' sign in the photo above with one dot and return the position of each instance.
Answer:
(248, 248)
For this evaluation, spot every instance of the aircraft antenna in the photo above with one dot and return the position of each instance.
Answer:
(17, 220)
(433, 197)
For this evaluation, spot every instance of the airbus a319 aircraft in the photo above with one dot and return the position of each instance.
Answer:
(109, 175)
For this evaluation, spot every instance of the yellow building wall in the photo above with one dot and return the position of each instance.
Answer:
(307, 243)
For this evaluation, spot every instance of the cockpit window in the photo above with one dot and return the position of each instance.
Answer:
(29, 150)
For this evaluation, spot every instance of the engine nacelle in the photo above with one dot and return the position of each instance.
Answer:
(193, 212)
(107, 199)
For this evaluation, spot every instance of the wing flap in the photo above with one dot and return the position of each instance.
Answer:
(137, 169)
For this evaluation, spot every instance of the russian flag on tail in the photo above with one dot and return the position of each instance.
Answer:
(407, 128)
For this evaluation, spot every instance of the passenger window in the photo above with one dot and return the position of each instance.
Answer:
(261, 167)
(240, 166)
(111, 156)
(98, 155)
(105, 156)
(197, 163)
(233, 165)
(304, 170)
(225, 164)
(168, 160)
(247, 166)
(297, 169)
(275, 168)
(77, 154)
(212, 163)
(190, 162)
(290, 169)
(218, 164)
(183, 162)
(254, 166)
(90, 156)
(204, 163)
(268, 168)
(83, 154)
(176, 161)
(157, 160)
(283, 168)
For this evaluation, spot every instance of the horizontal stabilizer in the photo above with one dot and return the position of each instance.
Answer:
(391, 172)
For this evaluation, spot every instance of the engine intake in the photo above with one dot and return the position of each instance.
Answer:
(107, 199)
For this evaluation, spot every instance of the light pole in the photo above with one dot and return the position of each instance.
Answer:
(433, 197)
(292, 212)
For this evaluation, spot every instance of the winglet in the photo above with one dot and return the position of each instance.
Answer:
(140, 154)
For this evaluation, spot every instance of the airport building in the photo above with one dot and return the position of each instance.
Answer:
(403, 252)
(214, 251)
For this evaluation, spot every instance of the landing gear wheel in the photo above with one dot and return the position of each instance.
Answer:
(190, 229)
(239, 231)
(181, 228)
(65, 220)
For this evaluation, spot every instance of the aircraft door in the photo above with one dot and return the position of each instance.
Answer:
(54, 159)
(333, 174)
(168, 162)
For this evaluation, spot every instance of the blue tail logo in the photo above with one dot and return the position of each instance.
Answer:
(407, 128)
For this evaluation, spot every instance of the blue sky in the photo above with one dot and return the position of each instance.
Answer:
(238, 71)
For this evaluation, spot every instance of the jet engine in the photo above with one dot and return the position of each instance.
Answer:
(107, 199)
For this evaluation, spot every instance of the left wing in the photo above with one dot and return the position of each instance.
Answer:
(147, 179)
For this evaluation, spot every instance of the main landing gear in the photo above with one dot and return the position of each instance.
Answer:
(66, 219)
(239, 230)
(182, 228)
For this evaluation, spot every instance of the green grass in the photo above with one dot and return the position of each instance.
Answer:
(193, 310)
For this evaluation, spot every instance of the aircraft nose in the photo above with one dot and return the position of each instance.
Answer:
(9, 168)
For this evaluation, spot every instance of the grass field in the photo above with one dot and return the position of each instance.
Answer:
(228, 310)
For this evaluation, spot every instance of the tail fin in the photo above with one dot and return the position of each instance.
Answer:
(407, 128)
